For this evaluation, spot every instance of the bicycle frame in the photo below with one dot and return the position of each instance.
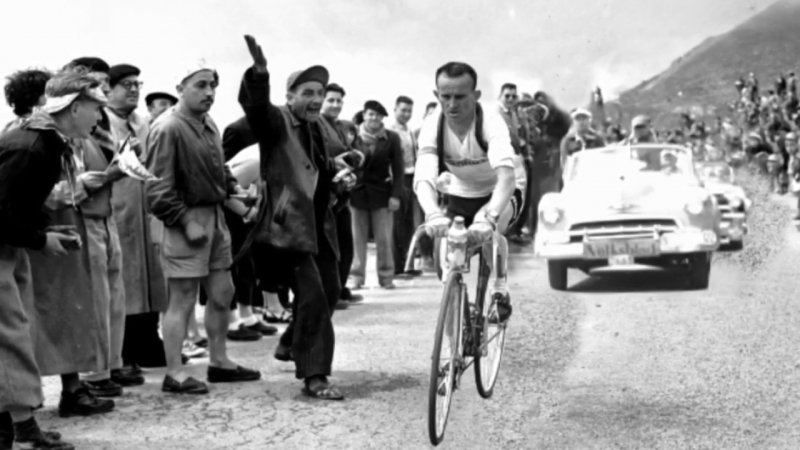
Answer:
(488, 250)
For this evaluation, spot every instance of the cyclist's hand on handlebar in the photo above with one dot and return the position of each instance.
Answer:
(481, 231)
(436, 225)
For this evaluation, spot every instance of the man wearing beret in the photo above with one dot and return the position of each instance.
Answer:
(376, 195)
(145, 286)
(297, 221)
(184, 152)
(158, 102)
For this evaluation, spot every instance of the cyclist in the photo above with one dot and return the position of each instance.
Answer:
(487, 178)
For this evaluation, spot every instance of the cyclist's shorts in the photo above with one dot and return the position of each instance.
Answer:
(468, 207)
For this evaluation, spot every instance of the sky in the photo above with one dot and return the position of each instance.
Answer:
(374, 49)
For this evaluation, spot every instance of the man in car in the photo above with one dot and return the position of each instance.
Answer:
(473, 144)
(641, 131)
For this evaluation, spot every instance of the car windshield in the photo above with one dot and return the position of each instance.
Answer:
(612, 162)
(720, 173)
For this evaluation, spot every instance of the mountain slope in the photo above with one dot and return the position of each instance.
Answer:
(767, 44)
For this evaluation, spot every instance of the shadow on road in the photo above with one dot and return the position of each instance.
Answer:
(633, 282)
(362, 384)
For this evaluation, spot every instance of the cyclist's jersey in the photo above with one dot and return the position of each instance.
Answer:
(472, 167)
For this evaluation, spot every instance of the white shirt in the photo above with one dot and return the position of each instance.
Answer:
(473, 169)
(408, 143)
(246, 166)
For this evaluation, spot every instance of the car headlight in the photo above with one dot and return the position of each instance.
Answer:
(551, 215)
(694, 206)
(736, 202)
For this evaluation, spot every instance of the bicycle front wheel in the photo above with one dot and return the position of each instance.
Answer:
(446, 358)
(492, 334)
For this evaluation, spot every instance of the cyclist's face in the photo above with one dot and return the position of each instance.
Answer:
(458, 97)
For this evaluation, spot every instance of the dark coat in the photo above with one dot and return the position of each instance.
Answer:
(65, 323)
(237, 137)
(30, 165)
(382, 174)
(296, 213)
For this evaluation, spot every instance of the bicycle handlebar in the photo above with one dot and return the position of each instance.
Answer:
(422, 231)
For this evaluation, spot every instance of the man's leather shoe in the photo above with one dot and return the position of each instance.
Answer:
(283, 353)
(340, 305)
(103, 388)
(243, 334)
(127, 377)
(187, 386)
(348, 296)
(82, 403)
(28, 432)
(220, 375)
(263, 329)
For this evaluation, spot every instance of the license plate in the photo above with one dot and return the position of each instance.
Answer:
(620, 260)
(632, 247)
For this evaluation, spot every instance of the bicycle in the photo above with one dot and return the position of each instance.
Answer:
(466, 333)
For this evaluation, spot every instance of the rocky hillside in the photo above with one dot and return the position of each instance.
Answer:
(767, 44)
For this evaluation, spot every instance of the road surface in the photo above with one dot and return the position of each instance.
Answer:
(624, 362)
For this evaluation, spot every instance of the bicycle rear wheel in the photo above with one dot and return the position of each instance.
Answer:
(446, 358)
(492, 337)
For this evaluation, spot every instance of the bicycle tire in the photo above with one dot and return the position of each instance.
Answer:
(451, 299)
(489, 355)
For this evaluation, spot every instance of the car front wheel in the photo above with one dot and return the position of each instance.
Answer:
(557, 273)
(700, 267)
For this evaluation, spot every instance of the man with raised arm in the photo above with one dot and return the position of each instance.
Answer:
(297, 224)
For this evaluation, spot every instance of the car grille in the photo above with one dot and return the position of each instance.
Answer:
(632, 228)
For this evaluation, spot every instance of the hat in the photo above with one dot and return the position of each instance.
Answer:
(640, 120)
(55, 104)
(91, 63)
(313, 73)
(153, 96)
(580, 112)
(376, 106)
(198, 66)
(120, 72)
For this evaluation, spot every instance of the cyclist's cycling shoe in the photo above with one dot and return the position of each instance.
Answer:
(503, 305)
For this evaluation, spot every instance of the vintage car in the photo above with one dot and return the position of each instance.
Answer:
(629, 208)
(732, 202)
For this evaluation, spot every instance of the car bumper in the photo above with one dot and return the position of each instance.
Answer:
(550, 245)
(733, 228)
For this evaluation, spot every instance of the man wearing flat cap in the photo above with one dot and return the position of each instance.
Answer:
(376, 195)
(145, 286)
(184, 152)
(297, 223)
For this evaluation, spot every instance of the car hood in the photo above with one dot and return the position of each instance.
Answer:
(651, 195)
